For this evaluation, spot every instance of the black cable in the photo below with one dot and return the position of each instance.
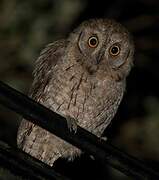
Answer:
(84, 140)
(22, 164)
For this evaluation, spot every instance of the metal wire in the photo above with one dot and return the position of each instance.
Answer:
(22, 164)
(83, 139)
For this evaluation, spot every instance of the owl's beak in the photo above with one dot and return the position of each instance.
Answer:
(98, 60)
(99, 57)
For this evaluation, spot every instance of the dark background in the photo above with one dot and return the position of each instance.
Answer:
(27, 26)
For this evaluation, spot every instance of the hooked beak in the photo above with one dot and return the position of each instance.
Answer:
(99, 57)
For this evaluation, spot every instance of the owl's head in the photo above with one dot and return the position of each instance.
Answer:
(102, 47)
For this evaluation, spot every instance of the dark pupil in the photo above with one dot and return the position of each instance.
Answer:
(114, 50)
(93, 41)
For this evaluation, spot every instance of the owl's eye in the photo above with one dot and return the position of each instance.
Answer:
(114, 50)
(93, 41)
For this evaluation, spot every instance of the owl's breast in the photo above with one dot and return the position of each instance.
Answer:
(92, 103)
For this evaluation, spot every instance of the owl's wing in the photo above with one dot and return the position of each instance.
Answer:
(42, 74)
(44, 66)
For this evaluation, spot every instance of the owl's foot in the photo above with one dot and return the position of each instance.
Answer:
(72, 124)
(104, 138)
(92, 157)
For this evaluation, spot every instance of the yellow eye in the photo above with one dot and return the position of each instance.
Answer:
(114, 50)
(93, 42)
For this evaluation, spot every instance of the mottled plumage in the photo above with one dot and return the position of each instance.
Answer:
(82, 77)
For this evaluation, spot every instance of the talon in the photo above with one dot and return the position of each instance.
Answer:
(104, 138)
(92, 157)
(72, 124)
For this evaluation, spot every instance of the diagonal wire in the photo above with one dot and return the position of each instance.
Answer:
(83, 139)
(22, 164)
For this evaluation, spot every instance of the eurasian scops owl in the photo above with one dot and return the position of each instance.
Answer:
(83, 78)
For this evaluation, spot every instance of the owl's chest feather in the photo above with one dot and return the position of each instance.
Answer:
(91, 102)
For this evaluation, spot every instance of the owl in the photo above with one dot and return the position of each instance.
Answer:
(83, 79)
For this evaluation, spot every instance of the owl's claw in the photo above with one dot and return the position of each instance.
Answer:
(104, 138)
(92, 157)
(72, 124)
